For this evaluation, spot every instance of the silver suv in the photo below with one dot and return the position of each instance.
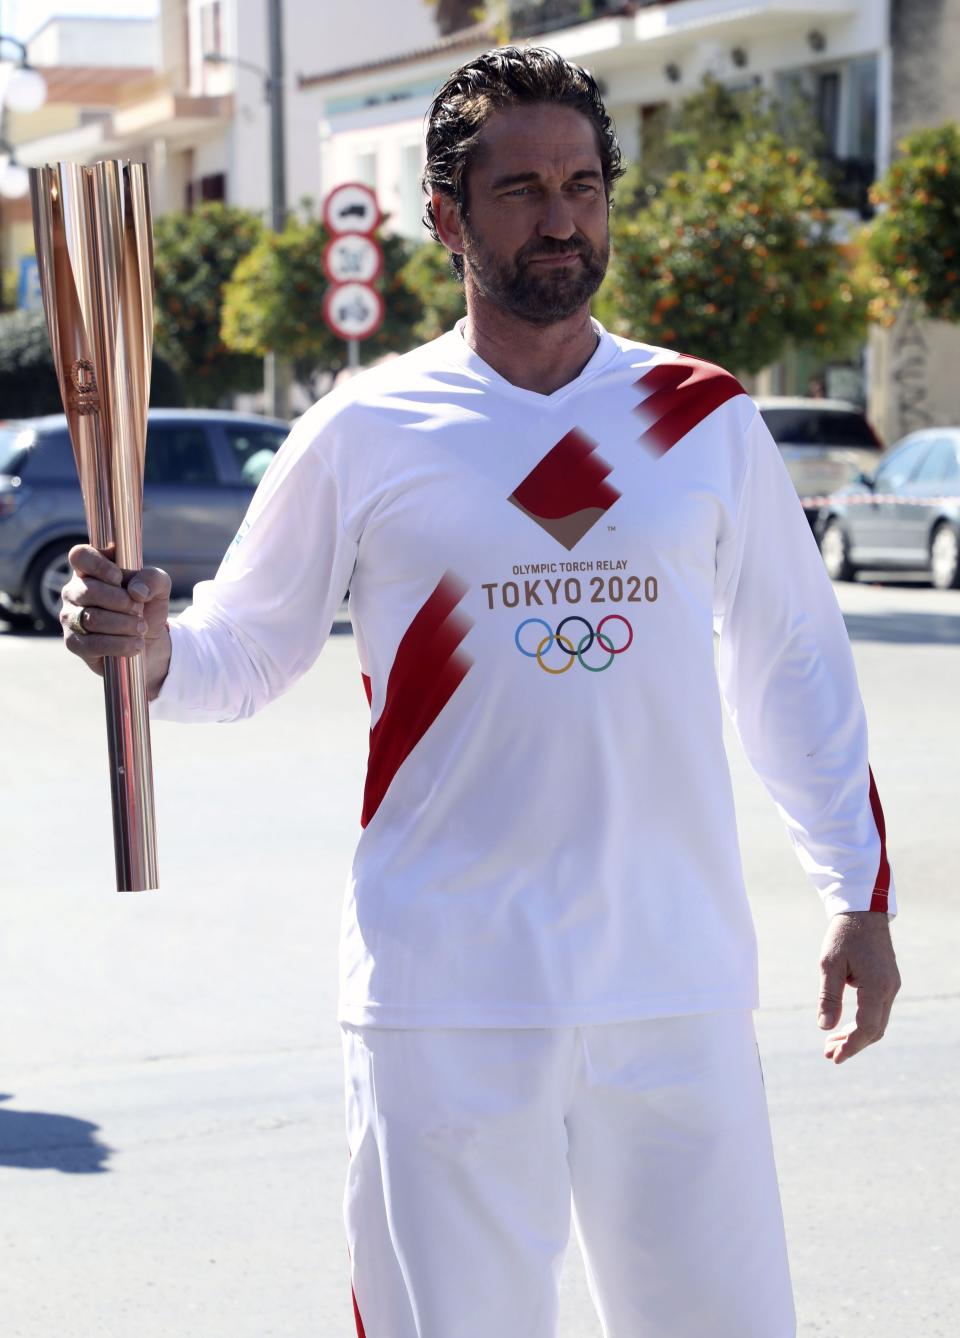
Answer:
(201, 470)
(825, 444)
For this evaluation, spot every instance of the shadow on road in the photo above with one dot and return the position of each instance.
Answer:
(916, 629)
(35, 1141)
(21, 624)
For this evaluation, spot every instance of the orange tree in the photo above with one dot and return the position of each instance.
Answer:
(274, 300)
(913, 246)
(733, 261)
(194, 255)
(429, 274)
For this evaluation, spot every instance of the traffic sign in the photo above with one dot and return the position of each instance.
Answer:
(353, 310)
(352, 257)
(351, 207)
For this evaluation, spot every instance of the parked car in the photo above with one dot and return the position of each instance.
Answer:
(825, 444)
(201, 470)
(905, 516)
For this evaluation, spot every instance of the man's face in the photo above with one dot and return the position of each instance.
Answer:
(534, 236)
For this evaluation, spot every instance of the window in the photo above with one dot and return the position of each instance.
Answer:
(794, 427)
(845, 429)
(827, 107)
(51, 459)
(178, 455)
(211, 28)
(255, 447)
(411, 195)
(940, 465)
(365, 168)
(818, 427)
(213, 187)
(898, 467)
(14, 443)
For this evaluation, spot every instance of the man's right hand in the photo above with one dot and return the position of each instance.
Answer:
(122, 613)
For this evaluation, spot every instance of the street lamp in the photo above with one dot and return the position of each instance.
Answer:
(24, 91)
(26, 88)
(14, 179)
(275, 378)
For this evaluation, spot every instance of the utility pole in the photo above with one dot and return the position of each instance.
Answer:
(276, 371)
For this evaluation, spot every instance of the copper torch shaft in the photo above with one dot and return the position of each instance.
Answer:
(95, 261)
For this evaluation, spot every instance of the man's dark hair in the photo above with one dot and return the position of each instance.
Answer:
(508, 76)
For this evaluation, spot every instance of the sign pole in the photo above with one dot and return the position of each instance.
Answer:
(353, 354)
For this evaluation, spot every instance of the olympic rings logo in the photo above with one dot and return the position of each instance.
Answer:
(565, 644)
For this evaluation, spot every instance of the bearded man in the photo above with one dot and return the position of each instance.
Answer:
(547, 962)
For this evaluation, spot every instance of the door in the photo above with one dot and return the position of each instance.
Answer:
(872, 523)
(920, 497)
(188, 515)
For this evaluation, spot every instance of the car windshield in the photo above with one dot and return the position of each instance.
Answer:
(14, 443)
(818, 427)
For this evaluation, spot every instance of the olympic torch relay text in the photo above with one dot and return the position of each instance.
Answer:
(553, 591)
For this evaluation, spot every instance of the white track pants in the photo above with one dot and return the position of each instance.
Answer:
(466, 1145)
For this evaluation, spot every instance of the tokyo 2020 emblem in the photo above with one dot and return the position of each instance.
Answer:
(572, 652)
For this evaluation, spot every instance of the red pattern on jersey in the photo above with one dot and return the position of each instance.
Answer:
(571, 477)
(881, 889)
(428, 668)
(679, 395)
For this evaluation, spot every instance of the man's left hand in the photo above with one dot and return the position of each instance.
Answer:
(857, 950)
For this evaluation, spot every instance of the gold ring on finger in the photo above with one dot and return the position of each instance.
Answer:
(75, 622)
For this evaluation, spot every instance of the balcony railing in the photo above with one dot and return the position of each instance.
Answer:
(529, 17)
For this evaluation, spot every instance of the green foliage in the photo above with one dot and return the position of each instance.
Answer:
(274, 300)
(732, 261)
(195, 255)
(913, 245)
(679, 137)
(8, 289)
(28, 379)
(428, 274)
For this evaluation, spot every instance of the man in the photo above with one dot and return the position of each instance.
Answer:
(547, 967)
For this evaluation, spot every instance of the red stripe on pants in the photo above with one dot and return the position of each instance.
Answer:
(356, 1315)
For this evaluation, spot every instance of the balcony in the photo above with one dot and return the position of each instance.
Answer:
(529, 18)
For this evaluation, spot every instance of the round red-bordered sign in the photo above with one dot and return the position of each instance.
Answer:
(351, 207)
(353, 310)
(352, 257)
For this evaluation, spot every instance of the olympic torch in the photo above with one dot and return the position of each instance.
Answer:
(95, 261)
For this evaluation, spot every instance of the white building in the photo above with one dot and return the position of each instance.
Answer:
(96, 42)
(644, 54)
(203, 126)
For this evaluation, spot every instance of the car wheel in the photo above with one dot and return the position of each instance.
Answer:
(945, 557)
(48, 574)
(835, 548)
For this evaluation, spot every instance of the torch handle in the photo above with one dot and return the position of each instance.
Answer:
(131, 774)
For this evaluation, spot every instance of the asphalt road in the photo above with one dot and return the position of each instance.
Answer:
(171, 1134)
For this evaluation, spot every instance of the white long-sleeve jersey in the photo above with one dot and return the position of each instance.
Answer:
(548, 832)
